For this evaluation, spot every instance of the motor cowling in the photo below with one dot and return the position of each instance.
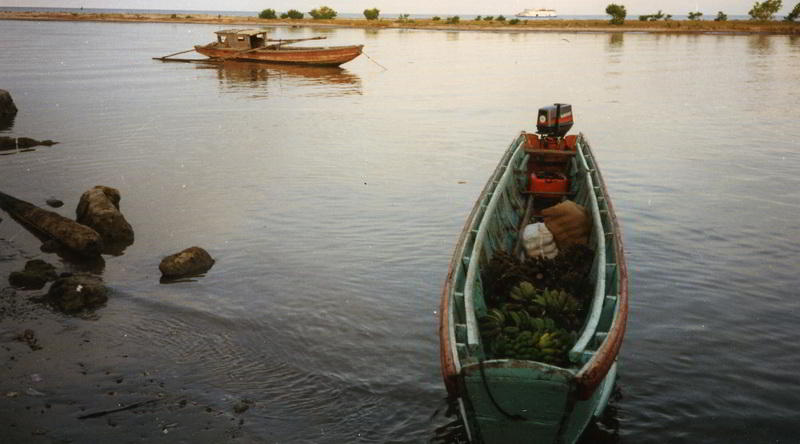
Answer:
(554, 120)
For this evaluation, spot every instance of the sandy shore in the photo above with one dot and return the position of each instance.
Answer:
(631, 25)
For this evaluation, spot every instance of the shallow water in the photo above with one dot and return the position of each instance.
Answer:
(331, 200)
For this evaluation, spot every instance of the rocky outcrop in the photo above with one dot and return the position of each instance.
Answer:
(7, 107)
(191, 261)
(36, 273)
(75, 237)
(77, 293)
(98, 208)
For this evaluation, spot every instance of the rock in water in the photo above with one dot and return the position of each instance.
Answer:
(78, 292)
(7, 107)
(36, 273)
(99, 209)
(70, 234)
(191, 261)
(55, 203)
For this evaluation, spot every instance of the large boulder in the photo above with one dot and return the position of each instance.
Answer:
(36, 273)
(7, 107)
(78, 292)
(191, 261)
(98, 208)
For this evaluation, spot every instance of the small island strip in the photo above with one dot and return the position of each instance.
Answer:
(776, 27)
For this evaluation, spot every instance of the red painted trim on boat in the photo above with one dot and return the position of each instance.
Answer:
(590, 376)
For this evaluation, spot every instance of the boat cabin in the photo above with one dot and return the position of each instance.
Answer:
(241, 38)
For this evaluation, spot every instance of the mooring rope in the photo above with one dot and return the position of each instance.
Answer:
(510, 416)
(373, 61)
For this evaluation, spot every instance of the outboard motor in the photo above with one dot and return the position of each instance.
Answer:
(554, 120)
(549, 153)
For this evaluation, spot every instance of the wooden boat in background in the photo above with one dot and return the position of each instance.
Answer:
(522, 401)
(254, 46)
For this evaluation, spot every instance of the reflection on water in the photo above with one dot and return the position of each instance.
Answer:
(371, 33)
(6, 123)
(615, 41)
(262, 79)
(760, 44)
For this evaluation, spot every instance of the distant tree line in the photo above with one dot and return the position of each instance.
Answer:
(761, 11)
(321, 13)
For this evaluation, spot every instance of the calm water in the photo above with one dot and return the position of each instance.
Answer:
(332, 200)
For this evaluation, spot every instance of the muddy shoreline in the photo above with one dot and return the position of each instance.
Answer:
(631, 25)
(63, 382)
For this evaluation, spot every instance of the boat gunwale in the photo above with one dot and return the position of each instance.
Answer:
(596, 369)
(451, 368)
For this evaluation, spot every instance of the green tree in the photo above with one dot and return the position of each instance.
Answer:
(500, 18)
(617, 13)
(721, 17)
(513, 21)
(488, 18)
(695, 15)
(267, 14)
(436, 18)
(478, 18)
(322, 13)
(372, 14)
(453, 20)
(794, 14)
(292, 14)
(765, 10)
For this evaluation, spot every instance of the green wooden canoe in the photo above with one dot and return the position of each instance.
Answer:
(519, 401)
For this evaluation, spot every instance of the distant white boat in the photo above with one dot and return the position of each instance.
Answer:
(534, 13)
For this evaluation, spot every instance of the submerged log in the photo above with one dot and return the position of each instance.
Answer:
(191, 261)
(7, 107)
(70, 234)
(98, 208)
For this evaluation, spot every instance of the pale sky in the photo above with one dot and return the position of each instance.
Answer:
(484, 7)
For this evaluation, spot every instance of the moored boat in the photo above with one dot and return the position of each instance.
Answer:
(537, 13)
(253, 45)
(534, 396)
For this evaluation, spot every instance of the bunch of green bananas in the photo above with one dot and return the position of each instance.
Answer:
(559, 305)
(524, 292)
(516, 335)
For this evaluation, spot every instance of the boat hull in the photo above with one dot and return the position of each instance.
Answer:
(508, 400)
(317, 56)
(537, 13)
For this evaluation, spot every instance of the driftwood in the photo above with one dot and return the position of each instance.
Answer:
(70, 234)
(119, 409)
